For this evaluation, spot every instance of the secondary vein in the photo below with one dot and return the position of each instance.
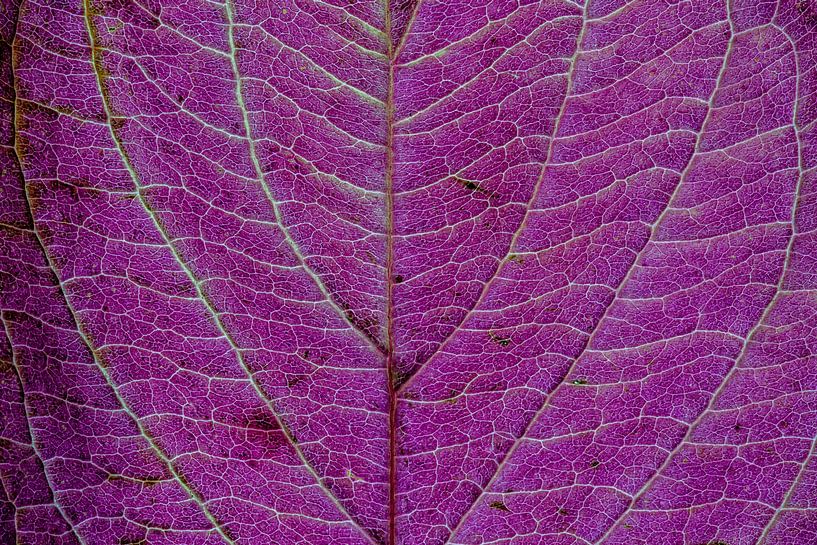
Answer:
(189, 273)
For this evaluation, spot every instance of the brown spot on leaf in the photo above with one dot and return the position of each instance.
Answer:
(501, 340)
(132, 541)
(807, 10)
(499, 505)
(117, 123)
(453, 397)
(261, 419)
(398, 378)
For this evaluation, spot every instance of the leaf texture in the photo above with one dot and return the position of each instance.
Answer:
(429, 272)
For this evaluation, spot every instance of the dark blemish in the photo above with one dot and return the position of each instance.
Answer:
(452, 397)
(807, 11)
(294, 381)
(516, 259)
(229, 533)
(563, 512)
(551, 309)
(784, 424)
(46, 233)
(500, 506)
(398, 378)
(475, 187)
(117, 123)
(398, 279)
(113, 477)
(132, 541)
(305, 354)
(594, 464)
(468, 184)
(289, 433)
(718, 542)
(261, 419)
(367, 324)
(738, 427)
(73, 398)
(501, 341)
(579, 382)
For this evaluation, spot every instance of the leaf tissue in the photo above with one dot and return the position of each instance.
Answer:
(408, 272)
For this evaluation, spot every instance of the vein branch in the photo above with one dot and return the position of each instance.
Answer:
(195, 282)
(279, 217)
(391, 371)
(34, 448)
(800, 177)
(779, 291)
(621, 284)
(528, 207)
(487, 285)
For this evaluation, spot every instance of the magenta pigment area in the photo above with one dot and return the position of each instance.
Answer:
(415, 272)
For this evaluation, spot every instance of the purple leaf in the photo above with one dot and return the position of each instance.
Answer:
(429, 272)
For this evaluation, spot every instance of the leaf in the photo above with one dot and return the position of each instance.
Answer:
(440, 273)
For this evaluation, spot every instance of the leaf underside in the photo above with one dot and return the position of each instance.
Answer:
(417, 272)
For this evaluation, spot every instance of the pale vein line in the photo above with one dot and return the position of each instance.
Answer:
(320, 68)
(265, 186)
(471, 81)
(176, 31)
(741, 354)
(16, 156)
(401, 42)
(86, 341)
(373, 31)
(619, 288)
(521, 228)
(484, 29)
(803, 468)
(33, 445)
(196, 284)
(559, 117)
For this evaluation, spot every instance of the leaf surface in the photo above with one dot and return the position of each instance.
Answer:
(410, 272)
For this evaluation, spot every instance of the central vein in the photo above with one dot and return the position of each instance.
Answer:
(390, 348)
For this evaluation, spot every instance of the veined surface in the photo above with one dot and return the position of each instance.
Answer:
(419, 272)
